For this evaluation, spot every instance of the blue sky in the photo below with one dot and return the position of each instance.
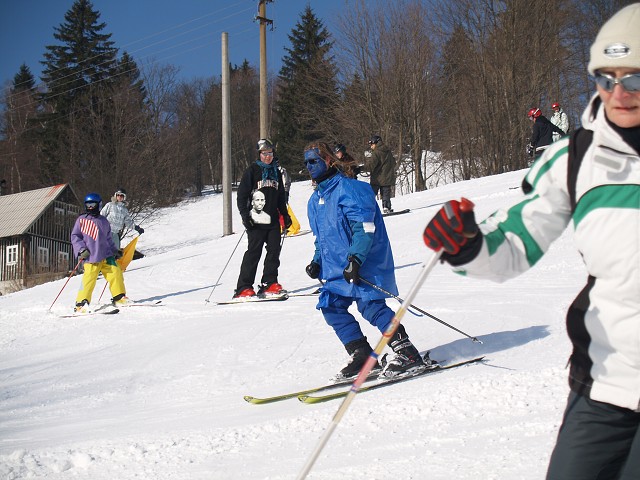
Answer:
(184, 33)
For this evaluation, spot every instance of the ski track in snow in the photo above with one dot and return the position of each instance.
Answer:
(157, 393)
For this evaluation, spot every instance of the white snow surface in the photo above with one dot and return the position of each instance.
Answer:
(157, 393)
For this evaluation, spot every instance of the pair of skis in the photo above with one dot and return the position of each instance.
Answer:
(255, 298)
(109, 309)
(308, 396)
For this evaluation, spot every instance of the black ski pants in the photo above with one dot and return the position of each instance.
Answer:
(597, 441)
(256, 239)
(385, 194)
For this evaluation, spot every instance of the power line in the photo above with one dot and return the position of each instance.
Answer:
(124, 48)
(151, 55)
(77, 110)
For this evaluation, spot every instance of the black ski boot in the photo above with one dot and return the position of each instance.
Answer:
(407, 359)
(359, 350)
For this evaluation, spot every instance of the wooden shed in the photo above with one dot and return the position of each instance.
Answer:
(35, 231)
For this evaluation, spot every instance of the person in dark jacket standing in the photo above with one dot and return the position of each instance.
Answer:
(263, 176)
(542, 134)
(382, 166)
(351, 239)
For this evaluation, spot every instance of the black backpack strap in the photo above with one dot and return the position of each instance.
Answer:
(578, 145)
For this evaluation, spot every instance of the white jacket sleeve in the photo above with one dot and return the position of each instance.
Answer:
(515, 239)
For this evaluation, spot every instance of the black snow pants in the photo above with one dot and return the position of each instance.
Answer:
(597, 441)
(256, 239)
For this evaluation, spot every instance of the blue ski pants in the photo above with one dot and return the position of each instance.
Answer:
(347, 328)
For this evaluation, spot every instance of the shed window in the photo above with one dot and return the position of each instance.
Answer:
(58, 215)
(63, 260)
(12, 254)
(43, 257)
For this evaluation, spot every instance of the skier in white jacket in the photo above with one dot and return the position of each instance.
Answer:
(119, 216)
(560, 119)
(592, 180)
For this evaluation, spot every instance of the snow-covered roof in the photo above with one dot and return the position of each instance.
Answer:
(20, 210)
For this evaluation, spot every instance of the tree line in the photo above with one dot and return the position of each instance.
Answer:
(453, 77)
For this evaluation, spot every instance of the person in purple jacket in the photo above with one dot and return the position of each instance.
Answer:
(93, 244)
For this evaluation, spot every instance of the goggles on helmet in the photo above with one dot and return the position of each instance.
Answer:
(264, 144)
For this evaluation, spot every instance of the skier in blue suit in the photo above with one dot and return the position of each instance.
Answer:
(351, 241)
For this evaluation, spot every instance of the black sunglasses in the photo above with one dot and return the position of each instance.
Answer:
(631, 82)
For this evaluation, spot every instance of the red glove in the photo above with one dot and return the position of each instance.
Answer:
(452, 227)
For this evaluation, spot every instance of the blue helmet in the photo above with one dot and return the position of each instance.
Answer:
(93, 203)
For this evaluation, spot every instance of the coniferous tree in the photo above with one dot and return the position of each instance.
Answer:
(23, 80)
(75, 71)
(307, 91)
(18, 156)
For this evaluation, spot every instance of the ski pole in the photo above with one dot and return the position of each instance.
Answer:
(103, 290)
(65, 283)
(225, 267)
(366, 368)
(380, 289)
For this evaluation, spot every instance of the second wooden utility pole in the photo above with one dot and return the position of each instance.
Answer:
(264, 104)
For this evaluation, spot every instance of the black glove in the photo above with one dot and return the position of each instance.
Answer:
(247, 222)
(139, 229)
(530, 150)
(119, 254)
(84, 254)
(455, 230)
(287, 222)
(351, 272)
(313, 269)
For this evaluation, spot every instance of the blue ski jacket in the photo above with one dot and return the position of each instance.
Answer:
(346, 221)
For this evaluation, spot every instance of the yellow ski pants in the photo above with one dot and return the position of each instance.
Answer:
(111, 272)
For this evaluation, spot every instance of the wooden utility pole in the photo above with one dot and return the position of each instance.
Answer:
(264, 104)
(227, 223)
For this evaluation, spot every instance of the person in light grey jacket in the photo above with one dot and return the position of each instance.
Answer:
(119, 217)
(560, 119)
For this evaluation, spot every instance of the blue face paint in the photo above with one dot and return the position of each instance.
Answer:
(316, 166)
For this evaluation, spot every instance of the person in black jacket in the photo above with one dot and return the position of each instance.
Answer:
(542, 134)
(263, 176)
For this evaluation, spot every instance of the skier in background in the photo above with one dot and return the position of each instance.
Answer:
(286, 178)
(351, 240)
(262, 175)
(119, 217)
(541, 134)
(591, 180)
(345, 162)
(560, 120)
(382, 166)
(92, 242)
